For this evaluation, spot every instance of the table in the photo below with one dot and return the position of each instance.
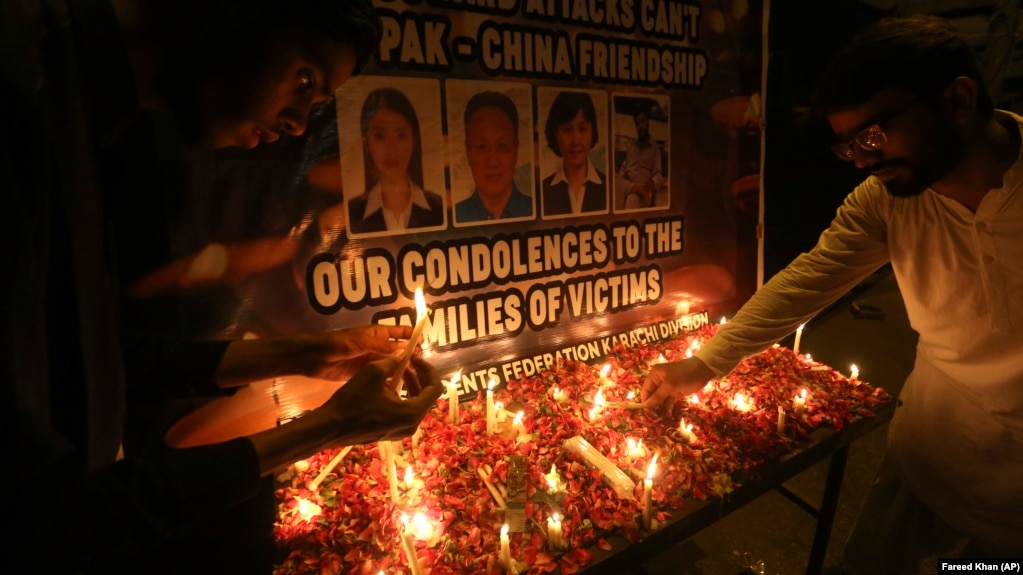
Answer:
(698, 515)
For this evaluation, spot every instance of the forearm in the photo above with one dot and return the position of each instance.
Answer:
(298, 439)
(249, 360)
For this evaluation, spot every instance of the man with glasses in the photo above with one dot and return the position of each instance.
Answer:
(942, 204)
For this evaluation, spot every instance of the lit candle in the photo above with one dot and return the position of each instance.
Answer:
(307, 509)
(422, 529)
(410, 547)
(661, 359)
(410, 477)
(453, 398)
(741, 403)
(854, 372)
(648, 487)
(553, 480)
(417, 333)
(723, 320)
(518, 426)
(554, 540)
(559, 394)
(799, 336)
(689, 353)
(504, 557)
(634, 449)
(491, 414)
(686, 429)
(781, 420)
(603, 379)
(694, 399)
(598, 404)
(799, 403)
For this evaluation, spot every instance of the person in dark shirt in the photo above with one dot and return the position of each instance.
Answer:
(492, 149)
(75, 77)
(576, 187)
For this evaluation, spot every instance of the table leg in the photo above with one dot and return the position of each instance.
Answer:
(826, 515)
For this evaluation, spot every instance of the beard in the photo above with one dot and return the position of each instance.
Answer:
(945, 154)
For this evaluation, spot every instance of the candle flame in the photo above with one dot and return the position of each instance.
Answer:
(631, 395)
(723, 320)
(307, 509)
(855, 370)
(420, 304)
(605, 370)
(809, 357)
(504, 529)
(801, 326)
(519, 418)
(410, 476)
(689, 353)
(455, 379)
(491, 384)
(498, 405)
(803, 393)
(741, 403)
(694, 399)
(553, 481)
(661, 358)
(556, 517)
(652, 468)
(422, 528)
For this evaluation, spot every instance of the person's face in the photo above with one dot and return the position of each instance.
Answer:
(642, 126)
(492, 149)
(920, 146)
(280, 100)
(575, 140)
(390, 139)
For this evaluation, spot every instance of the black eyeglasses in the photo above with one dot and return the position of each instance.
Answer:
(872, 137)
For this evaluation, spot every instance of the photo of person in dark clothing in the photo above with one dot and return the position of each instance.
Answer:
(572, 131)
(395, 199)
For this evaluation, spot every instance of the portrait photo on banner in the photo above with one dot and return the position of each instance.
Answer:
(574, 136)
(642, 142)
(392, 167)
(490, 151)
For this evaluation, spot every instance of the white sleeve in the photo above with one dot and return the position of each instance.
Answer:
(853, 247)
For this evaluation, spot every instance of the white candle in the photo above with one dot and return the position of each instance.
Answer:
(799, 336)
(781, 420)
(504, 557)
(315, 483)
(854, 372)
(392, 480)
(410, 547)
(491, 413)
(554, 532)
(648, 486)
(417, 333)
(799, 403)
(621, 483)
(453, 398)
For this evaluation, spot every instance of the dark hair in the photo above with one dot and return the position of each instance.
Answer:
(919, 54)
(391, 99)
(230, 42)
(564, 109)
(491, 99)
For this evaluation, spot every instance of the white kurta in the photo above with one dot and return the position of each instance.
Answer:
(957, 438)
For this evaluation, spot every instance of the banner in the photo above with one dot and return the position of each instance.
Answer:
(557, 176)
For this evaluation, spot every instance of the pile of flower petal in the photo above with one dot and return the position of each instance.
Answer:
(351, 525)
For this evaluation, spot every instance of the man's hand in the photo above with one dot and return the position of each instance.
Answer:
(366, 409)
(674, 379)
(363, 410)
